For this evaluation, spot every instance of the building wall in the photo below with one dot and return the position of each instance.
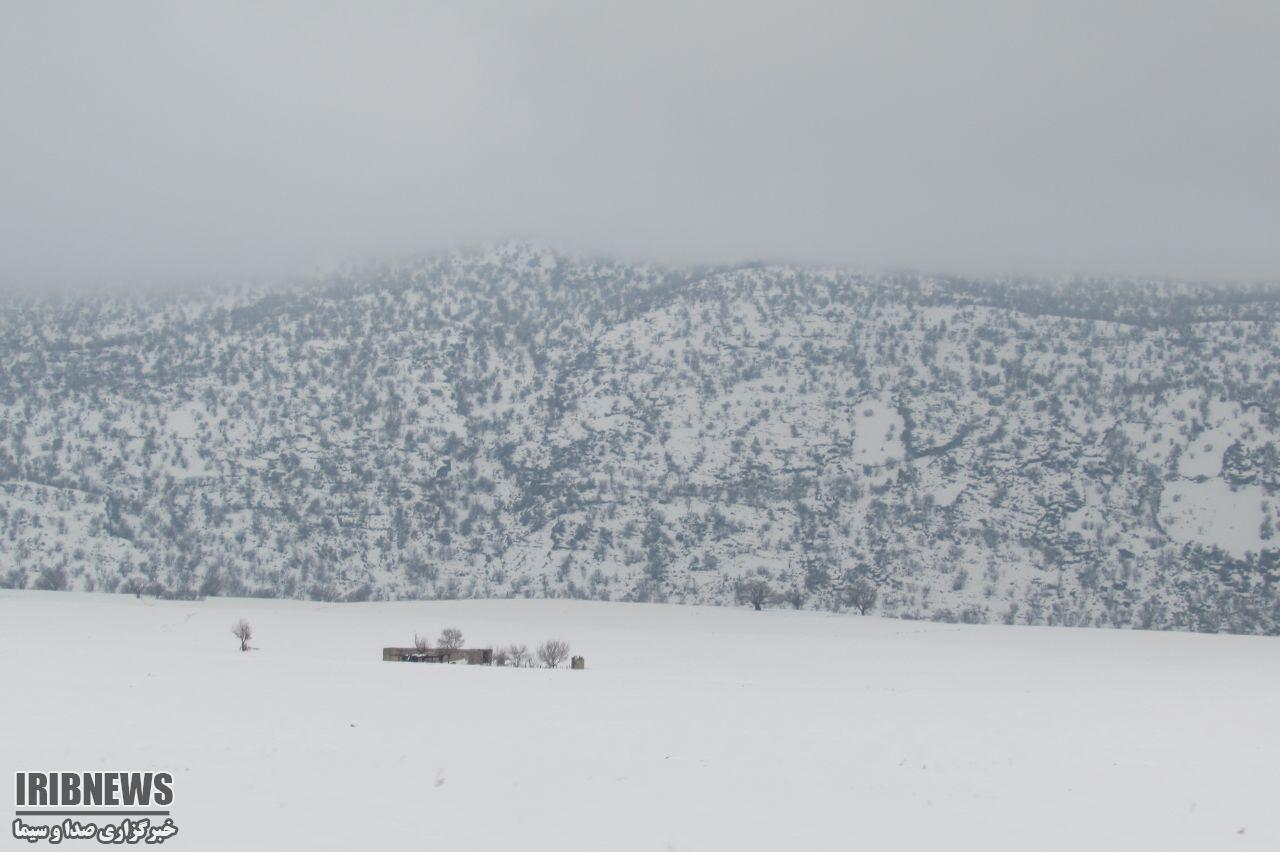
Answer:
(473, 656)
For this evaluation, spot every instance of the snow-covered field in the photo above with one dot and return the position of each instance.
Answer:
(691, 728)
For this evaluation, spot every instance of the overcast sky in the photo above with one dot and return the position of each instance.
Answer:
(176, 143)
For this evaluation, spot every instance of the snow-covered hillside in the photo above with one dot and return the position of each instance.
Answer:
(517, 423)
(691, 728)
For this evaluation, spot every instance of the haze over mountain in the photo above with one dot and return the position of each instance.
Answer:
(162, 145)
(515, 422)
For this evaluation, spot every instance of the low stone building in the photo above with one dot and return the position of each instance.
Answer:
(470, 656)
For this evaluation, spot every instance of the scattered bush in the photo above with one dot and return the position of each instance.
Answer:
(52, 580)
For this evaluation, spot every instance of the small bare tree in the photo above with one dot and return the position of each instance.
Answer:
(501, 657)
(450, 639)
(553, 652)
(421, 643)
(242, 631)
(755, 592)
(794, 596)
(518, 655)
(861, 595)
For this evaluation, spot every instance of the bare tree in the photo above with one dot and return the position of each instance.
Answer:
(553, 652)
(861, 595)
(242, 631)
(794, 596)
(501, 657)
(519, 656)
(755, 592)
(421, 643)
(450, 639)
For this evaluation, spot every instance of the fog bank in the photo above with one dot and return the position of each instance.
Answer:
(158, 143)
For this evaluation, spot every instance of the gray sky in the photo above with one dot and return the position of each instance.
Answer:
(149, 143)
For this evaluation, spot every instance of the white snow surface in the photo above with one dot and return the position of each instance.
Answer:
(691, 728)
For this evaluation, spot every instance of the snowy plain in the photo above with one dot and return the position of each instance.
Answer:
(692, 728)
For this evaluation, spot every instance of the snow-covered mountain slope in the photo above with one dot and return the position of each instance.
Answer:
(519, 423)
(691, 728)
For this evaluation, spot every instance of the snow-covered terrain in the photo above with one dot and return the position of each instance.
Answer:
(692, 728)
(518, 423)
